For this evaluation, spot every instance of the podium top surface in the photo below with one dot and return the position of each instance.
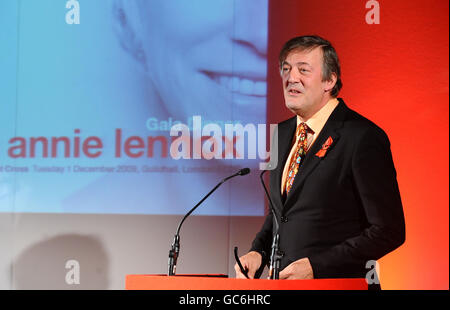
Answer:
(214, 282)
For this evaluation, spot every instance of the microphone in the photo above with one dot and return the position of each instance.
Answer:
(243, 171)
(175, 248)
(275, 257)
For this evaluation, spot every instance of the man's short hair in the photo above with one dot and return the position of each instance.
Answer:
(330, 63)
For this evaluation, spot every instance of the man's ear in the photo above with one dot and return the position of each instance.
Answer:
(329, 84)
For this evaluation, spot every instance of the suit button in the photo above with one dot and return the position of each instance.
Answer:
(284, 219)
(281, 253)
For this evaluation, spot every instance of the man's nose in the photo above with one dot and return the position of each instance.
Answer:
(293, 76)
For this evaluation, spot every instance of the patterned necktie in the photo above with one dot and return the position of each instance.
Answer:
(302, 146)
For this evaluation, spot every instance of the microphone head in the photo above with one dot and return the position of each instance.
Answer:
(244, 171)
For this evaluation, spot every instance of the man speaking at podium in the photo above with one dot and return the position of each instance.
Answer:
(334, 189)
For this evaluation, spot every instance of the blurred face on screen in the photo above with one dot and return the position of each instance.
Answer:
(206, 57)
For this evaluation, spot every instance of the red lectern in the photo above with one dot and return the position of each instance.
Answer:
(210, 282)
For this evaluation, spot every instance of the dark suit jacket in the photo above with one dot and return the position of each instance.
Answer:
(343, 209)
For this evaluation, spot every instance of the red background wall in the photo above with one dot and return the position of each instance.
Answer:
(396, 74)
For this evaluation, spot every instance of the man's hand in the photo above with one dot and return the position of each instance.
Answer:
(299, 270)
(250, 261)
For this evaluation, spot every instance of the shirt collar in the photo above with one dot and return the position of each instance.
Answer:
(318, 120)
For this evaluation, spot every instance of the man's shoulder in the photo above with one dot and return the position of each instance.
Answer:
(361, 127)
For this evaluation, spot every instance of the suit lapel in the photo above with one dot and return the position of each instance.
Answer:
(286, 133)
(331, 129)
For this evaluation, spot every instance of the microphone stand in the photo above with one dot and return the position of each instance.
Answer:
(175, 248)
(275, 257)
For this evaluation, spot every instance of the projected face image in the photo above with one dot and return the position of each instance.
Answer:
(137, 68)
(205, 57)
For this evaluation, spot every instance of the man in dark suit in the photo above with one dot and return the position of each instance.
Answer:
(334, 189)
